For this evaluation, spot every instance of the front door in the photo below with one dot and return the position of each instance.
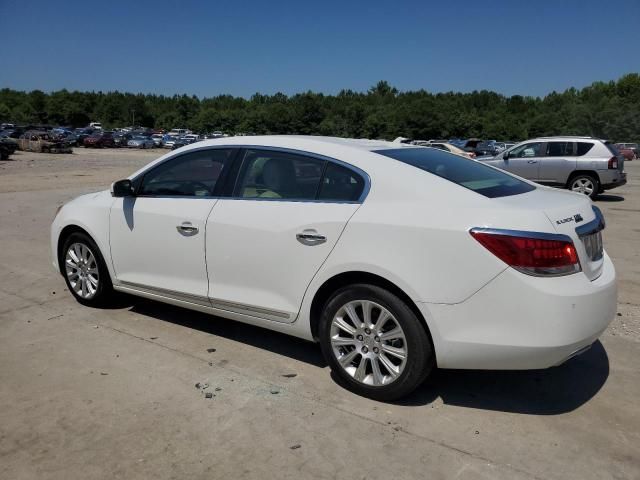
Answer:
(266, 243)
(157, 237)
(524, 161)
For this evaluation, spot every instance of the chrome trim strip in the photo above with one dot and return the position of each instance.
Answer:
(594, 226)
(520, 233)
(185, 297)
(247, 309)
(209, 302)
(362, 173)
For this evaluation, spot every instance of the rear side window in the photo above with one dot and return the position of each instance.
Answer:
(273, 174)
(467, 173)
(583, 148)
(559, 149)
(340, 184)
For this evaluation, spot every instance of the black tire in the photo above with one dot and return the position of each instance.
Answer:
(420, 358)
(104, 293)
(584, 177)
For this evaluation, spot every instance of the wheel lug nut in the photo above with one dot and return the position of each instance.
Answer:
(376, 338)
(376, 350)
(367, 331)
(360, 337)
(365, 349)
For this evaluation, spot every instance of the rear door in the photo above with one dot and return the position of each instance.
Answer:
(558, 162)
(265, 244)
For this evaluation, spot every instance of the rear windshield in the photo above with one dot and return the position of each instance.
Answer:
(467, 173)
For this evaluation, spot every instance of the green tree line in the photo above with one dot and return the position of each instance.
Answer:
(603, 109)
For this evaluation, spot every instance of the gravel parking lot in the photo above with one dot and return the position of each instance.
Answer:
(91, 393)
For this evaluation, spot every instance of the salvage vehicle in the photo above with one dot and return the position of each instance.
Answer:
(345, 242)
(42, 142)
(582, 164)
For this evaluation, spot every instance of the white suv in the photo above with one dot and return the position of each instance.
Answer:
(395, 258)
(582, 164)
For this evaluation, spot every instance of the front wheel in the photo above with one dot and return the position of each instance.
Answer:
(585, 184)
(374, 343)
(85, 271)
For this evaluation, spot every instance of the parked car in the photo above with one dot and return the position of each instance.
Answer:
(346, 242)
(179, 143)
(100, 139)
(627, 153)
(140, 141)
(582, 164)
(191, 138)
(168, 141)
(7, 148)
(121, 139)
(95, 125)
(629, 146)
(451, 148)
(624, 149)
(81, 134)
(157, 139)
(42, 142)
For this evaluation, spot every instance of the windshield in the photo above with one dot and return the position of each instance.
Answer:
(467, 173)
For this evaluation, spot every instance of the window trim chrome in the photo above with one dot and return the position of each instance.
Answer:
(365, 176)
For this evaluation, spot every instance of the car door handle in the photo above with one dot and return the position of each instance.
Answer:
(310, 237)
(187, 229)
(532, 161)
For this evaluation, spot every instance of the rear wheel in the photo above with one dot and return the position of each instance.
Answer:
(585, 184)
(374, 343)
(85, 271)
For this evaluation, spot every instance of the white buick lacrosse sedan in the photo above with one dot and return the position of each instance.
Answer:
(396, 259)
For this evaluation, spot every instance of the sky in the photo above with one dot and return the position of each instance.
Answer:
(208, 48)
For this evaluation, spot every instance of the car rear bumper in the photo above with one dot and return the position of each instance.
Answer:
(520, 322)
(612, 180)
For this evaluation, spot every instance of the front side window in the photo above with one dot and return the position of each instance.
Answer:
(193, 174)
(462, 171)
(526, 150)
(279, 175)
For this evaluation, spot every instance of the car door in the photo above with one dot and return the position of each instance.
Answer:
(558, 163)
(157, 237)
(265, 244)
(523, 160)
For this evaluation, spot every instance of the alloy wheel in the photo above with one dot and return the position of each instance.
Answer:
(368, 342)
(583, 185)
(82, 270)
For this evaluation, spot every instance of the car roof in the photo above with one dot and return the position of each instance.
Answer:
(295, 142)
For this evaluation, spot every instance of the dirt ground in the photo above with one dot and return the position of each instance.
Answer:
(91, 394)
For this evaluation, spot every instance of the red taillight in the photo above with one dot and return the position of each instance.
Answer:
(534, 254)
(613, 163)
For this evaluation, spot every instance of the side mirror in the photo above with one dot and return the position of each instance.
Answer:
(505, 156)
(122, 188)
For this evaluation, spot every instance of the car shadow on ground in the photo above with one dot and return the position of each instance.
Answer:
(609, 198)
(535, 392)
(279, 343)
